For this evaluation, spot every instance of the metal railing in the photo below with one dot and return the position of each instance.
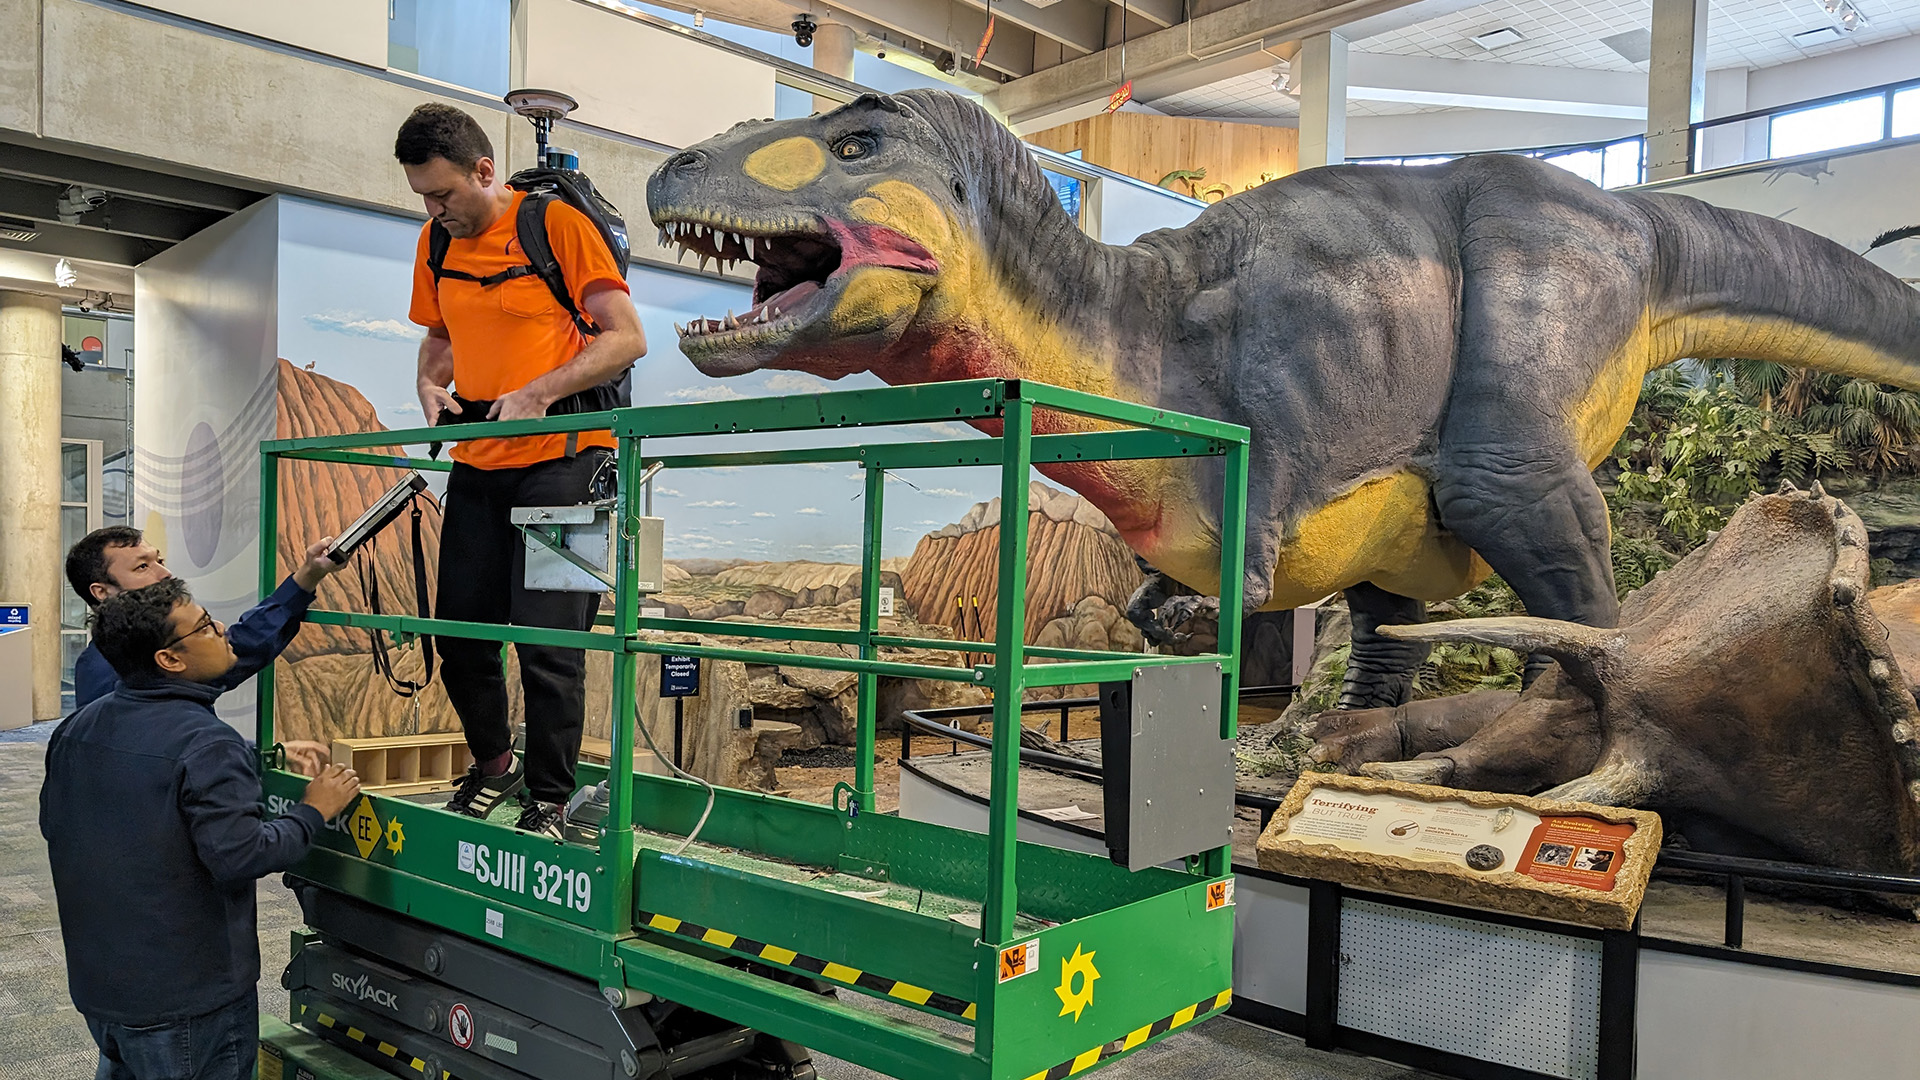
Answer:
(1737, 871)
(1885, 92)
(929, 722)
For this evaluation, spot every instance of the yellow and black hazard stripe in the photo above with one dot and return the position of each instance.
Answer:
(371, 1042)
(812, 965)
(1081, 1063)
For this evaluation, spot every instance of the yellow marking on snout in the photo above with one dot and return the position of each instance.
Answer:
(788, 164)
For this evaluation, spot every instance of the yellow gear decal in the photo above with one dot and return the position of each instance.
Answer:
(395, 837)
(1071, 1000)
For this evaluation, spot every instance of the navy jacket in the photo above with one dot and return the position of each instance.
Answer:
(257, 638)
(151, 811)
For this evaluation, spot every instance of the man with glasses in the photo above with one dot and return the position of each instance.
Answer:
(108, 562)
(151, 813)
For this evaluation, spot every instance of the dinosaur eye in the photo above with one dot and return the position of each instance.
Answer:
(853, 147)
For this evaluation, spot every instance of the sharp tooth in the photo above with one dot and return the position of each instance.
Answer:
(678, 329)
(681, 256)
(704, 259)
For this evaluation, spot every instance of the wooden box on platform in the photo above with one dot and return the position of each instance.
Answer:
(1568, 861)
(406, 764)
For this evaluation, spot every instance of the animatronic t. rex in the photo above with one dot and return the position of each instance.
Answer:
(1432, 360)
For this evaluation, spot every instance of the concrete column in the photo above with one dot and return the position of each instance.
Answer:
(832, 55)
(1676, 84)
(30, 555)
(1321, 66)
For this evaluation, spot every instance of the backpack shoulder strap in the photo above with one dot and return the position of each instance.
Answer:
(437, 240)
(531, 226)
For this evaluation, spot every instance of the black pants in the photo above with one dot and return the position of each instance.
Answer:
(482, 567)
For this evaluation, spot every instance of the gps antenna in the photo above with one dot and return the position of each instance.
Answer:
(542, 107)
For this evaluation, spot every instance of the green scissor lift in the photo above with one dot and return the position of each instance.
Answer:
(1005, 960)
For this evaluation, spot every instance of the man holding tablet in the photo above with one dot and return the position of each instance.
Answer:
(117, 559)
(501, 335)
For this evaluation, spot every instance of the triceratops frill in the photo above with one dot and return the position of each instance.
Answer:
(1749, 695)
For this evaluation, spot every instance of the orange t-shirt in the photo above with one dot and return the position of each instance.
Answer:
(507, 335)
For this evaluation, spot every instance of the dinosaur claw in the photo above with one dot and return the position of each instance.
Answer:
(1417, 771)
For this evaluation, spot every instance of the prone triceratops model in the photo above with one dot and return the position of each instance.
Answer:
(1749, 695)
(1431, 359)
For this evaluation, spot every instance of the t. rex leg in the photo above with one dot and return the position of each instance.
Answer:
(1553, 343)
(1380, 670)
(1538, 519)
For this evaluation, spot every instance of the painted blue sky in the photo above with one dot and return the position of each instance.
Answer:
(345, 280)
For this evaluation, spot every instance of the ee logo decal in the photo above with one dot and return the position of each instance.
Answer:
(364, 827)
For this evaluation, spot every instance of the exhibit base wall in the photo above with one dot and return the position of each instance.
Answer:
(1709, 1019)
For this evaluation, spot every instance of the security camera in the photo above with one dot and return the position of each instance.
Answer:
(803, 28)
(945, 64)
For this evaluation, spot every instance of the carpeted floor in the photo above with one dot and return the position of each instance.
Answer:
(43, 1038)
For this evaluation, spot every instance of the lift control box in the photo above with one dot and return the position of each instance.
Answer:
(1167, 773)
(568, 546)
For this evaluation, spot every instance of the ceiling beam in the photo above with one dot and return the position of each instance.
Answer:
(1158, 12)
(38, 164)
(956, 25)
(90, 244)
(1488, 84)
(38, 200)
(1078, 24)
(1245, 26)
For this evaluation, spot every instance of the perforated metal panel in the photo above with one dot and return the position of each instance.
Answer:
(1518, 997)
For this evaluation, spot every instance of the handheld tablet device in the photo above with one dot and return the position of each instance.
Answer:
(377, 517)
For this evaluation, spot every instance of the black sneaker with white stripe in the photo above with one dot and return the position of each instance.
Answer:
(477, 795)
(543, 819)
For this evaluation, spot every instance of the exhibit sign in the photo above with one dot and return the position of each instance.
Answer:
(1569, 861)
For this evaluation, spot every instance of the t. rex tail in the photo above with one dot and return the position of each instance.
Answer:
(1731, 284)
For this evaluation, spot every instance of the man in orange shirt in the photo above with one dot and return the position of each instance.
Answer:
(512, 347)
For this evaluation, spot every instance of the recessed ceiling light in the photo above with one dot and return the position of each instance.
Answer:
(1819, 36)
(1498, 39)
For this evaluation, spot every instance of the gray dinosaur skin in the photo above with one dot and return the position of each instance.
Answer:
(1480, 327)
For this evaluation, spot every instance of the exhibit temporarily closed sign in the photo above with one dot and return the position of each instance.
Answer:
(1552, 859)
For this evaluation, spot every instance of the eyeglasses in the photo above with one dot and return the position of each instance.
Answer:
(206, 623)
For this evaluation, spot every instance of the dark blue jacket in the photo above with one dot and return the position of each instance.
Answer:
(257, 638)
(151, 811)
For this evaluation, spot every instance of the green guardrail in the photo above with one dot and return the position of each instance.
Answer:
(1051, 961)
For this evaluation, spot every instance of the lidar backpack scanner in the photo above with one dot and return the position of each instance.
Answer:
(556, 177)
(568, 548)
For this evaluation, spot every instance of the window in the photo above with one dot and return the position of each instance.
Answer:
(1623, 164)
(1068, 188)
(1585, 164)
(1827, 127)
(1906, 113)
(462, 42)
(80, 491)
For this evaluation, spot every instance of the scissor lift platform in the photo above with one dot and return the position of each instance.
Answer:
(1009, 961)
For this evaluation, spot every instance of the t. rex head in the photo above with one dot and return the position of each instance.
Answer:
(861, 220)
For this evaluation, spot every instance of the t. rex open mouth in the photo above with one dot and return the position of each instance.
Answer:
(799, 267)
